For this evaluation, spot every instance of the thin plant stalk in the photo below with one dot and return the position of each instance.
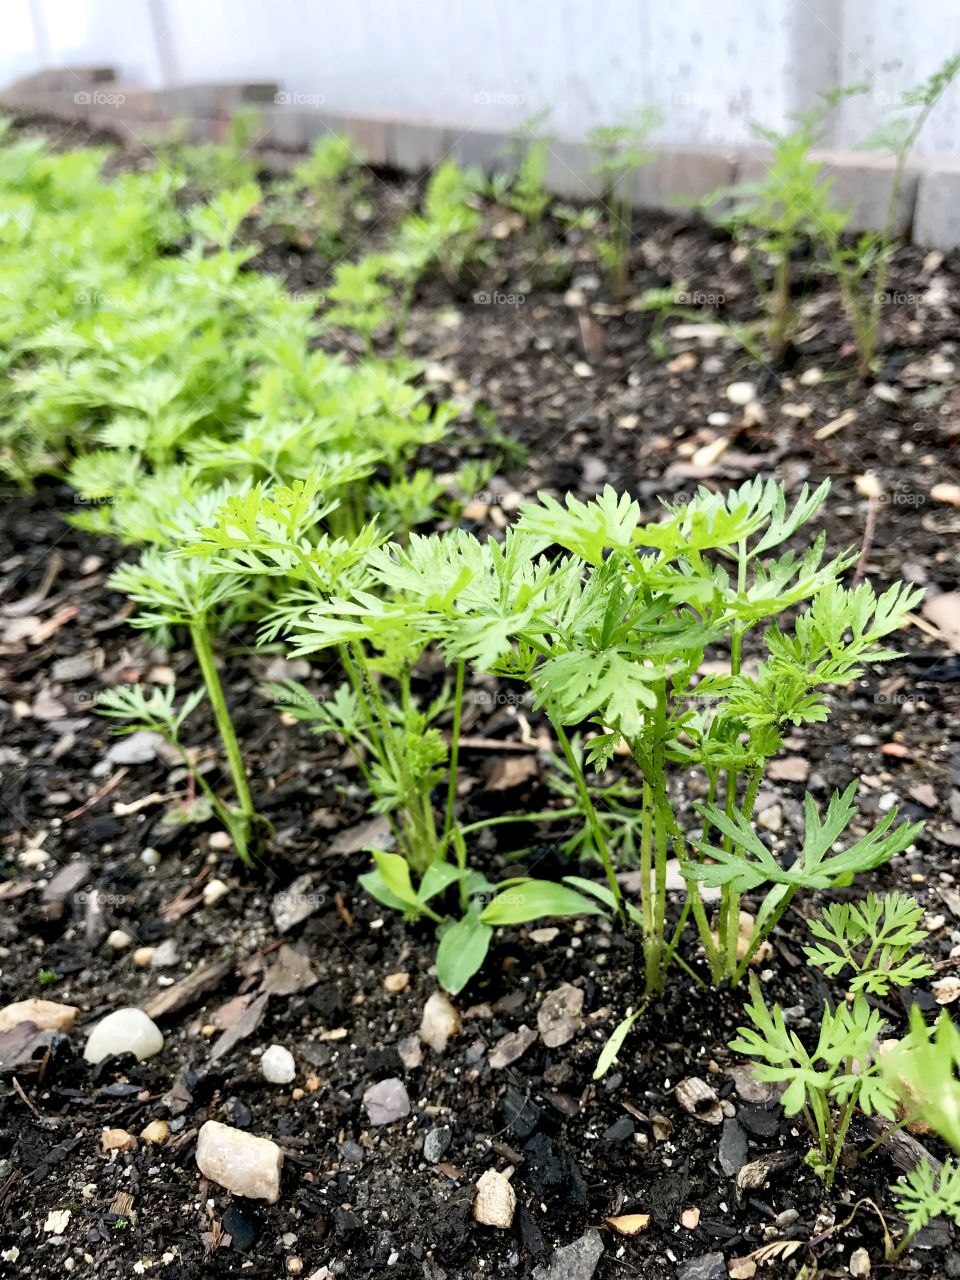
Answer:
(200, 636)
(593, 821)
(451, 813)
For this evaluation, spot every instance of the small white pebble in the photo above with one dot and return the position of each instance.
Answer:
(213, 891)
(277, 1065)
(118, 939)
(741, 393)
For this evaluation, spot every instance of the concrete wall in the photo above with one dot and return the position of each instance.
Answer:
(490, 64)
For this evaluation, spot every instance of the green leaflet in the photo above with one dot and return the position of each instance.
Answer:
(462, 951)
(526, 900)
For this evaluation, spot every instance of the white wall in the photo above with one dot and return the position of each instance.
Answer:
(711, 66)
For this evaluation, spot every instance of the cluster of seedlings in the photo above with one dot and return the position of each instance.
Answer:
(195, 410)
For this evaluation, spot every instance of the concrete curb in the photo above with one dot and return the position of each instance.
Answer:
(928, 209)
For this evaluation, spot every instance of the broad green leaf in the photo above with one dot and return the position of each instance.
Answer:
(376, 886)
(530, 899)
(396, 876)
(438, 877)
(462, 950)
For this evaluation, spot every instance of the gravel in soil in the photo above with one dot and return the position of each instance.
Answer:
(86, 853)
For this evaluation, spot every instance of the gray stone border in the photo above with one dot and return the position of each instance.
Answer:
(928, 211)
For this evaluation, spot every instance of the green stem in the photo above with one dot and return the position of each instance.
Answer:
(451, 814)
(545, 815)
(760, 935)
(846, 1115)
(729, 925)
(593, 820)
(663, 815)
(219, 808)
(816, 1130)
(694, 900)
(646, 865)
(200, 636)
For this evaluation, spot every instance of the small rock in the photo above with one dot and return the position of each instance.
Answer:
(559, 1016)
(661, 1127)
(544, 936)
(495, 1201)
(860, 1259)
(788, 769)
(396, 982)
(709, 1266)
(741, 1269)
(47, 1015)
(698, 1099)
(770, 818)
(925, 794)
(741, 393)
(690, 1219)
(709, 454)
(386, 1101)
(949, 494)
(946, 990)
(868, 485)
(95, 927)
(127, 1030)
(165, 956)
(213, 891)
(157, 1132)
(137, 748)
(57, 1221)
(118, 940)
(47, 707)
(66, 882)
(682, 363)
(619, 1131)
(576, 1261)
(290, 973)
(733, 1148)
(629, 1224)
(277, 1065)
(750, 1089)
(76, 667)
(244, 1164)
(241, 1230)
(142, 956)
(117, 1140)
(410, 1052)
(755, 1174)
(437, 1143)
(440, 1022)
(511, 1047)
(296, 903)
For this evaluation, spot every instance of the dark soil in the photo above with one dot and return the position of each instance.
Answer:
(359, 1200)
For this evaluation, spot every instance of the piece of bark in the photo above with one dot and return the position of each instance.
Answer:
(66, 882)
(244, 1026)
(20, 1045)
(189, 989)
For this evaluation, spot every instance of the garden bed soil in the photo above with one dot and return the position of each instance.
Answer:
(571, 377)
